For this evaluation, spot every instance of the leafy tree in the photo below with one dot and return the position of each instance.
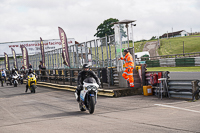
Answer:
(153, 38)
(105, 28)
(122, 30)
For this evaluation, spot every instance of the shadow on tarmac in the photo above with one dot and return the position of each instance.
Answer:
(14, 95)
(75, 113)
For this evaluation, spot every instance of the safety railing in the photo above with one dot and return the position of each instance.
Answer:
(188, 89)
(69, 76)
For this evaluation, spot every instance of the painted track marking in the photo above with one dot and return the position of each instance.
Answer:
(177, 108)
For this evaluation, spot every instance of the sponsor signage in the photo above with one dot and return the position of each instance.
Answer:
(33, 47)
(65, 52)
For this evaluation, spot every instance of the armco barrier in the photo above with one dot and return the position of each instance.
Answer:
(197, 61)
(168, 62)
(187, 89)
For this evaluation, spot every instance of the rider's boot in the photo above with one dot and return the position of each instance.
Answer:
(78, 94)
(26, 88)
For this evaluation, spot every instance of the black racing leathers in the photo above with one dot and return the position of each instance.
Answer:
(81, 77)
(85, 74)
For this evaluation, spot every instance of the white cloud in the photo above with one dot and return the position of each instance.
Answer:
(22, 20)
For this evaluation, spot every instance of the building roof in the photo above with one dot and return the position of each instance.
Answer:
(126, 21)
(172, 34)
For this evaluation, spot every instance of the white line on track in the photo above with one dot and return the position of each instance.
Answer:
(177, 102)
(177, 108)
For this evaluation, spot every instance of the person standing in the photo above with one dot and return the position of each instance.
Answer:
(1, 77)
(129, 65)
(30, 66)
(43, 71)
(3, 74)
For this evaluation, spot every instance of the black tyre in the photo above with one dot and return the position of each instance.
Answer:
(15, 84)
(81, 108)
(33, 88)
(91, 105)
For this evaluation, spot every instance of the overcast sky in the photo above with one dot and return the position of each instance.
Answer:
(24, 20)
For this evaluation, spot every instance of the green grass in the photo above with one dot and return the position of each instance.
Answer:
(175, 69)
(175, 45)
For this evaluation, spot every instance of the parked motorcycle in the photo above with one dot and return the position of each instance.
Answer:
(15, 79)
(88, 96)
(32, 82)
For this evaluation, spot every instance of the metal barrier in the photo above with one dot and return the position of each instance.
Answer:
(69, 76)
(188, 89)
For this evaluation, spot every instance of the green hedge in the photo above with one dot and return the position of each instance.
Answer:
(153, 63)
(185, 62)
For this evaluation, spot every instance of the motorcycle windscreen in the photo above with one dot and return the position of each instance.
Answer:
(90, 80)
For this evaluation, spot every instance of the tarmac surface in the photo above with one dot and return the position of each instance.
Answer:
(56, 111)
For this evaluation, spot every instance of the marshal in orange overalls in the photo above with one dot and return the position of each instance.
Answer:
(129, 65)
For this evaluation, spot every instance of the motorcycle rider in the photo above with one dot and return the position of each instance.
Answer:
(30, 71)
(85, 73)
(22, 69)
(14, 72)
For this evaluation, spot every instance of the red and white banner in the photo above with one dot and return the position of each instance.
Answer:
(33, 47)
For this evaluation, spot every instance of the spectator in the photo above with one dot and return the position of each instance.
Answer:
(42, 70)
(3, 74)
(30, 66)
(1, 78)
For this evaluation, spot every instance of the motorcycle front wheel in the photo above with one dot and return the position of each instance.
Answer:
(15, 84)
(33, 87)
(91, 105)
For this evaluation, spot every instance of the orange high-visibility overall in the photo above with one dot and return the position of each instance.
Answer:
(129, 65)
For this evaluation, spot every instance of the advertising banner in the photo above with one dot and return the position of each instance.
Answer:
(64, 42)
(25, 56)
(14, 57)
(42, 52)
(33, 47)
(7, 65)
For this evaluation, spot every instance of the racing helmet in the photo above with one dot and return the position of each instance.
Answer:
(86, 66)
(30, 70)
